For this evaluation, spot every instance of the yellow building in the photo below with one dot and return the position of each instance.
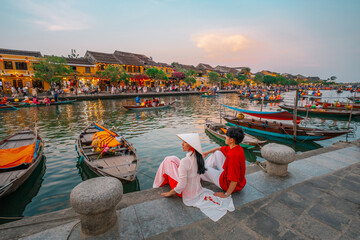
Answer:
(83, 73)
(134, 64)
(16, 69)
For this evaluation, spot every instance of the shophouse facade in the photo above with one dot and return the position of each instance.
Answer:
(16, 69)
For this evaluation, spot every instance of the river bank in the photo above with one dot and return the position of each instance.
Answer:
(317, 200)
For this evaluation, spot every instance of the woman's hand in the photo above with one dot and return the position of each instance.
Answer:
(220, 194)
(205, 154)
(168, 194)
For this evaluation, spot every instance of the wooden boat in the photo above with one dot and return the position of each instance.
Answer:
(22, 104)
(218, 131)
(145, 108)
(282, 130)
(310, 96)
(322, 112)
(7, 107)
(341, 105)
(23, 151)
(260, 99)
(355, 99)
(120, 162)
(210, 95)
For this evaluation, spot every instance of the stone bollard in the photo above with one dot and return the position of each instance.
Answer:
(95, 200)
(278, 157)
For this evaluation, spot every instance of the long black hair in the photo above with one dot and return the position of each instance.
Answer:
(200, 162)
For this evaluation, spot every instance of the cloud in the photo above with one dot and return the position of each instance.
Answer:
(56, 15)
(218, 44)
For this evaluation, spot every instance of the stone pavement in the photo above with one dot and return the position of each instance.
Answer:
(320, 199)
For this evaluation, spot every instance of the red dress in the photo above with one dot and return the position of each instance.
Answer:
(234, 168)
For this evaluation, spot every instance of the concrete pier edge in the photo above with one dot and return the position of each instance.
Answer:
(32, 225)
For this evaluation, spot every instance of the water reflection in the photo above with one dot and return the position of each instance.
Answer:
(153, 133)
(17, 201)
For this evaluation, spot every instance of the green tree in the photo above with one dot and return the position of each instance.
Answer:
(115, 74)
(241, 77)
(259, 78)
(51, 69)
(190, 77)
(214, 78)
(246, 71)
(268, 80)
(156, 74)
(230, 77)
(282, 80)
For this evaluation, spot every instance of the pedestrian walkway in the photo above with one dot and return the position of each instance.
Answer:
(320, 199)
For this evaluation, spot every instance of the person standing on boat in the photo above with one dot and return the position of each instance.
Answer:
(56, 94)
(226, 166)
(137, 100)
(183, 176)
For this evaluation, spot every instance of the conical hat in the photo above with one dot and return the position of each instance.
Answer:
(193, 139)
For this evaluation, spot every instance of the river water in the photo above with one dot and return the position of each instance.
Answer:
(153, 134)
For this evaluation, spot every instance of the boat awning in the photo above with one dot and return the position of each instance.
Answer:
(282, 115)
(106, 137)
(14, 157)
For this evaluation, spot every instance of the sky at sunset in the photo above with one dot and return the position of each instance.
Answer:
(309, 37)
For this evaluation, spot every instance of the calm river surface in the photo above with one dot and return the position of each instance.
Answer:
(153, 134)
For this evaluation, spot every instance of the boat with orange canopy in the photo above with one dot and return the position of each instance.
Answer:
(107, 153)
(20, 154)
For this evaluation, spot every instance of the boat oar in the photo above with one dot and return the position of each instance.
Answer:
(36, 148)
(11, 106)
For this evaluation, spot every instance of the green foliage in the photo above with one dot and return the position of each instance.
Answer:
(115, 74)
(190, 76)
(51, 69)
(214, 78)
(156, 74)
(241, 77)
(245, 71)
(229, 77)
(268, 80)
(224, 80)
(259, 78)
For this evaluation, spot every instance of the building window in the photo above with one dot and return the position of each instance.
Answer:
(21, 65)
(87, 70)
(8, 65)
(74, 68)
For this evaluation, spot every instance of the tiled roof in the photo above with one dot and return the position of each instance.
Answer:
(187, 67)
(78, 61)
(225, 69)
(103, 57)
(20, 52)
(146, 60)
(128, 58)
(204, 66)
(164, 65)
